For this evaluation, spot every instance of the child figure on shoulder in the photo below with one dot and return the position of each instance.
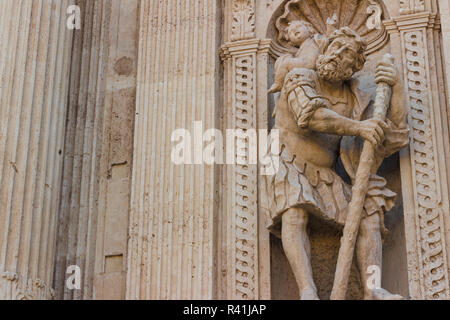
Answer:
(301, 35)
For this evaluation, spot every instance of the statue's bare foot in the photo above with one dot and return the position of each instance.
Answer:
(382, 294)
(309, 295)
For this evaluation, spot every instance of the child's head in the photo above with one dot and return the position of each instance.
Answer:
(298, 32)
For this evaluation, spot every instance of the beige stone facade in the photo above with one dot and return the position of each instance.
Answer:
(88, 115)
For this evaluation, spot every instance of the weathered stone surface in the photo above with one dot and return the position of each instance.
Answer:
(35, 59)
(171, 251)
(86, 171)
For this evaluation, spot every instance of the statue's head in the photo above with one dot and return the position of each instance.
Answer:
(298, 32)
(343, 57)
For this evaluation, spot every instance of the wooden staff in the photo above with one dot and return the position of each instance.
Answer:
(359, 192)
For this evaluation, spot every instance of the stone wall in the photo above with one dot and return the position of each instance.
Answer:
(86, 175)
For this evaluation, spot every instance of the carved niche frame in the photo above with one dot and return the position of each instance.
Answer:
(412, 30)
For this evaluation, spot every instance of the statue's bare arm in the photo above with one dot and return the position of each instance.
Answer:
(327, 121)
(313, 112)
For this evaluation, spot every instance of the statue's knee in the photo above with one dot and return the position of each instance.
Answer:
(295, 218)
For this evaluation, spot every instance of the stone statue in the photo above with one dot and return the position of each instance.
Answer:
(322, 115)
(299, 34)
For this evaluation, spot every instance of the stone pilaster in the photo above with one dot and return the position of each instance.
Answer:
(243, 237)
(243, 181)
(444, 14)
(415, 40)
(35, 57)
(173, 207)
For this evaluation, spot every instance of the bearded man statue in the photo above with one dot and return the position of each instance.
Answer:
(322, 115)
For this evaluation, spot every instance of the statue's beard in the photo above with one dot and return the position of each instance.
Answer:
(331, 69)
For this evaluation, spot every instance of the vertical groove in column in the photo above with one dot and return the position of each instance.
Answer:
(137, 162)
(171, 225)
(160, 183)
(35, 43)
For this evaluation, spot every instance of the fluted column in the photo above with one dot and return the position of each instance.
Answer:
(96, 186)
(34, 69)
(78, 209)
(172, 239)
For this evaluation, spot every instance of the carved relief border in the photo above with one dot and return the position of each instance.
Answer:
(411, 6)
(429, 217)
(424, 187)
(245, 211)
(239, 54)
(243, 25)
(244, 180)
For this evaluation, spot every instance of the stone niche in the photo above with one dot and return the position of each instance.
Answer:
(325, 239)
(415, 262)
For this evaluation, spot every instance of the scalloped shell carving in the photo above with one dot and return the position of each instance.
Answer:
(351, 13)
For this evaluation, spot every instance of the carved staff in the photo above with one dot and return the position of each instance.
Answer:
(359, 192)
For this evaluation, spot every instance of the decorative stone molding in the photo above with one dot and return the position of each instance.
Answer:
(411, 6)
(363, 16)
(241, 258)
(244, 205)
(427, 202)
(14, 287)
(243, 25)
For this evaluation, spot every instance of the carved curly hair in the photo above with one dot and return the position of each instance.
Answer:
(346, 32)
(294, 24)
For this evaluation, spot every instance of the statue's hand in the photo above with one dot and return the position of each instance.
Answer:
(386, 72)
(372, 130)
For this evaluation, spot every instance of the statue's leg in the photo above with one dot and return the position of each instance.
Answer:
(369, 253)
(298, 251)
